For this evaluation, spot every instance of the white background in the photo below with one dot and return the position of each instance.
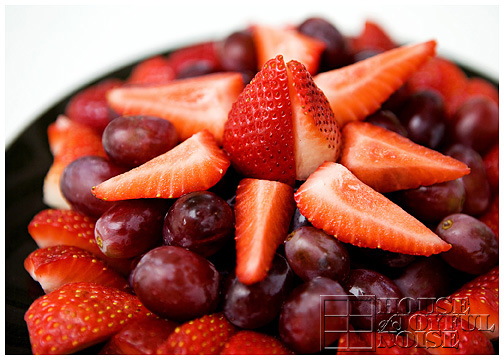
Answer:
(51, 50)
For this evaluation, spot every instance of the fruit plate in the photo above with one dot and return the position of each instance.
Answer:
(27, 160)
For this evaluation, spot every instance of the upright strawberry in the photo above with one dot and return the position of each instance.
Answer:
(191, 104)
(387, 161)
(263, 211)
(336, 201)
(79, 315)
(358, 90)
(195, 164)
(248, 342)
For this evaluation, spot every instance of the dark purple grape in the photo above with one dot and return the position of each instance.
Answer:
(475, 249)
(424, 119)
(434, 202)
(382, 260)
(298, 220)
(387, 120)
(477, 187)
(130, 228)
(312, 253)
(176, 283)
(476, 125)
(78, 179)
(199, 221)
(253, 306)
(336, 53)
(238, 53)
(305, 315)
(130, 141)
(362, 285)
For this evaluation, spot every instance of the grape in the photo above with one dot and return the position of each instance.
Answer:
(176, 283)
(298, 221)
(245, 304)
(301, 324)
(311, 253)
(477, 187)
(335, 54)
(383, 260)
(80, 176)
(130, 141)
(476, 124)
(424, 119)
(387, 120)
(369, 282)
(434, 202)
(475, 249)
(130, 228)
(199, 221)
(238, 53)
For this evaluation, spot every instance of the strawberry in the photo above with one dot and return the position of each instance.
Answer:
(79, 315)
(203, 336)
(68, 141)
(154, 70)
(246, 342)
(56, 266)
(89, 106)
(281, 127)
(290, 43)
(142, 337)
(190, 104)
(473, 87)
(387, 161)
(202, 57)
(358, 90)
(336, 201)
(263, 210)
(491, 216)
(195, 164)
(491, 161)
(372, 37)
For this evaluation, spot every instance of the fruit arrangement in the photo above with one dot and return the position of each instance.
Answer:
(206, 203)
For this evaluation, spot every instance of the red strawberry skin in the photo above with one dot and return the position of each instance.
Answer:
(200, 57)
(79, 315)
(155, 70)
(248, 342)
(387, 161)
(203, 336)
(491, 161)
(336, 201)
(491, 216)
(258, 134)
(56, 266)
(373, 37)
(196, 164)
(263, 211)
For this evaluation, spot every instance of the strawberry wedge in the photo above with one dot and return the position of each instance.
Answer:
(387, 161)
(195, 164)
(263, 211)
(191, 104)
(334, 200)
(358, 90)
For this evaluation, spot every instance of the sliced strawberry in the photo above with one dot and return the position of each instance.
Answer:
(336, 201)
(195, 164)
(358, 90)
(491, 216)
(68, 141)
(203, 56)
(204, 336)
(491, 161)
(387, 161)
(248, 342)
(263, 211)
(258, 135)
(90, 107)
(79, 315)
(155, 70)
(56, 266)
(373, 37)
(142, 337)
(290, 43)
(316, 132)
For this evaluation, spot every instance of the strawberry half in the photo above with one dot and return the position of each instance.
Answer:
(191, 104)
(68, 141)
(248, 342)
(358, 90)
(203, 336)
(56, 266)
(195, 164)
(263, 211)
(155, 70)
(289, 43)
(336, 201)
(79, 315)
(387, 161)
